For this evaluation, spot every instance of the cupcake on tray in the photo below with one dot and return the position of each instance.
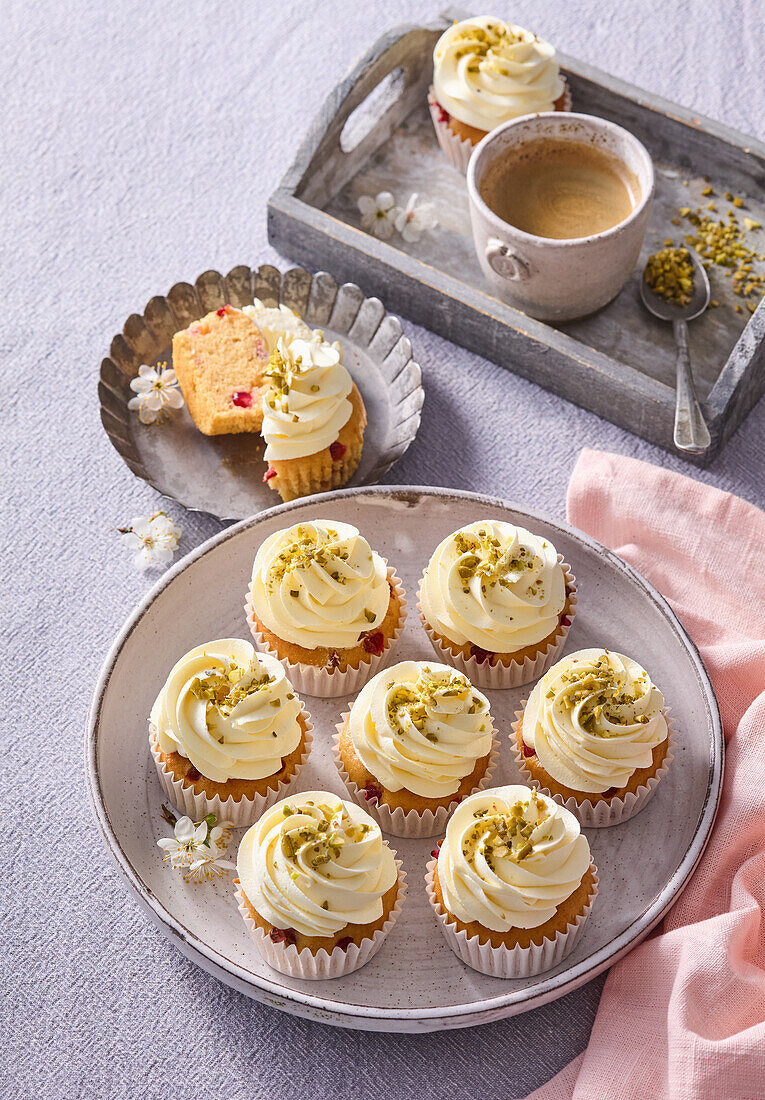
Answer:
(325, 604)
(227, 732)
(318, 887)
(485, 72)
(512, 883)
(594, 735)
(497, 602)
(418, 739)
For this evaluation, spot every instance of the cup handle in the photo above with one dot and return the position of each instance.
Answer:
(507, 263)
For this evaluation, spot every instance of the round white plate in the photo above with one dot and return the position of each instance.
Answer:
(415, 983)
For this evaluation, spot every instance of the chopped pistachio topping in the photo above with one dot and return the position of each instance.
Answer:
(507, 834)
(482, 557)
(598, 695)
(307, 547)
(722, 244)
(224, 689)
(669, 273)
(411, 704)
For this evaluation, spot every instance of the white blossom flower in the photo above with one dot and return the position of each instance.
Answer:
(155, 388)
(155, 540)
(416, 219)
(378, 214)
(196, 849)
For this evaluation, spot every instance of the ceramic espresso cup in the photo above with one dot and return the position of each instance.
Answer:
(549, 278)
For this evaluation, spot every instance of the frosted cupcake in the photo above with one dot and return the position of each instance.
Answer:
(318, 887)
(594, 735)
(497, 603)
(418, 739)
(326, 604)
(486, 72)
(513, 882)
(313, 418)
(227, 732)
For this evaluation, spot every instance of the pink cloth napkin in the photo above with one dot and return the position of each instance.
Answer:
(683, 1016)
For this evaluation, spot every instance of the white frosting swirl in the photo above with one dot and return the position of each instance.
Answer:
(319, 584)
(229, 710)
(486, 71)
(276, 321)
(306, 400)
(593, 719)
(420, 726)
(494, 586)
(316, 863)
(511, 856)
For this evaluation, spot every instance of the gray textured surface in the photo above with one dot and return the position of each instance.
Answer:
(141, 142)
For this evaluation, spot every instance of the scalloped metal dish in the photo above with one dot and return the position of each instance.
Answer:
(223, 474)
(415, 983)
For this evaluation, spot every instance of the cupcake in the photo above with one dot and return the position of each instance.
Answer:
(486, 72)
(325, 604)
(227, 732)
(418, 739)
(594, 735)
(313, 418)
(497, 603)
(513, 882)
(318, 887)
(220, 362)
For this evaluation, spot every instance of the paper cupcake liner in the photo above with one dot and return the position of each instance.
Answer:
(303, 963)
(516, 673)
(239, 814)
(411, 824)
(328, 683)
(602, 813)
(456, 149)
(510, 962)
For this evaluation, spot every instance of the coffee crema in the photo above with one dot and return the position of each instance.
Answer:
(560, 189)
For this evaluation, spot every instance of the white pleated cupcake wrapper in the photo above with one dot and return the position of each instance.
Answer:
(329, 683)
(510, 962)
(287, 959)
(602, 813)
(239, 814)
(516, 673)
(411, 824)
(456, 149)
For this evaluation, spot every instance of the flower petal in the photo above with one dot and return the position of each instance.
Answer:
(384, 200)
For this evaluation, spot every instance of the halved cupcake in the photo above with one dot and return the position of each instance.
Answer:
(485, 72)
(313, 418)
(418, 739)
(318, 887)
(220, 362)
(594, 734)
(512, 883)
(325, 604)
(497, 602)
(227, 732)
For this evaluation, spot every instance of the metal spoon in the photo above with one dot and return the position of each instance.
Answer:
(691, 432)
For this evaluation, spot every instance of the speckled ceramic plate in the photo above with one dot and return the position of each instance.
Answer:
(415, 983)
(223, 474)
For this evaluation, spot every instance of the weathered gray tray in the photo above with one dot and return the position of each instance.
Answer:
(374, 133)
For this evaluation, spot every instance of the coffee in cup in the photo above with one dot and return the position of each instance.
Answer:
(560, 189)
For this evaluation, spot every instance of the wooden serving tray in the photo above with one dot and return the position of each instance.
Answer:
(374, 133)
